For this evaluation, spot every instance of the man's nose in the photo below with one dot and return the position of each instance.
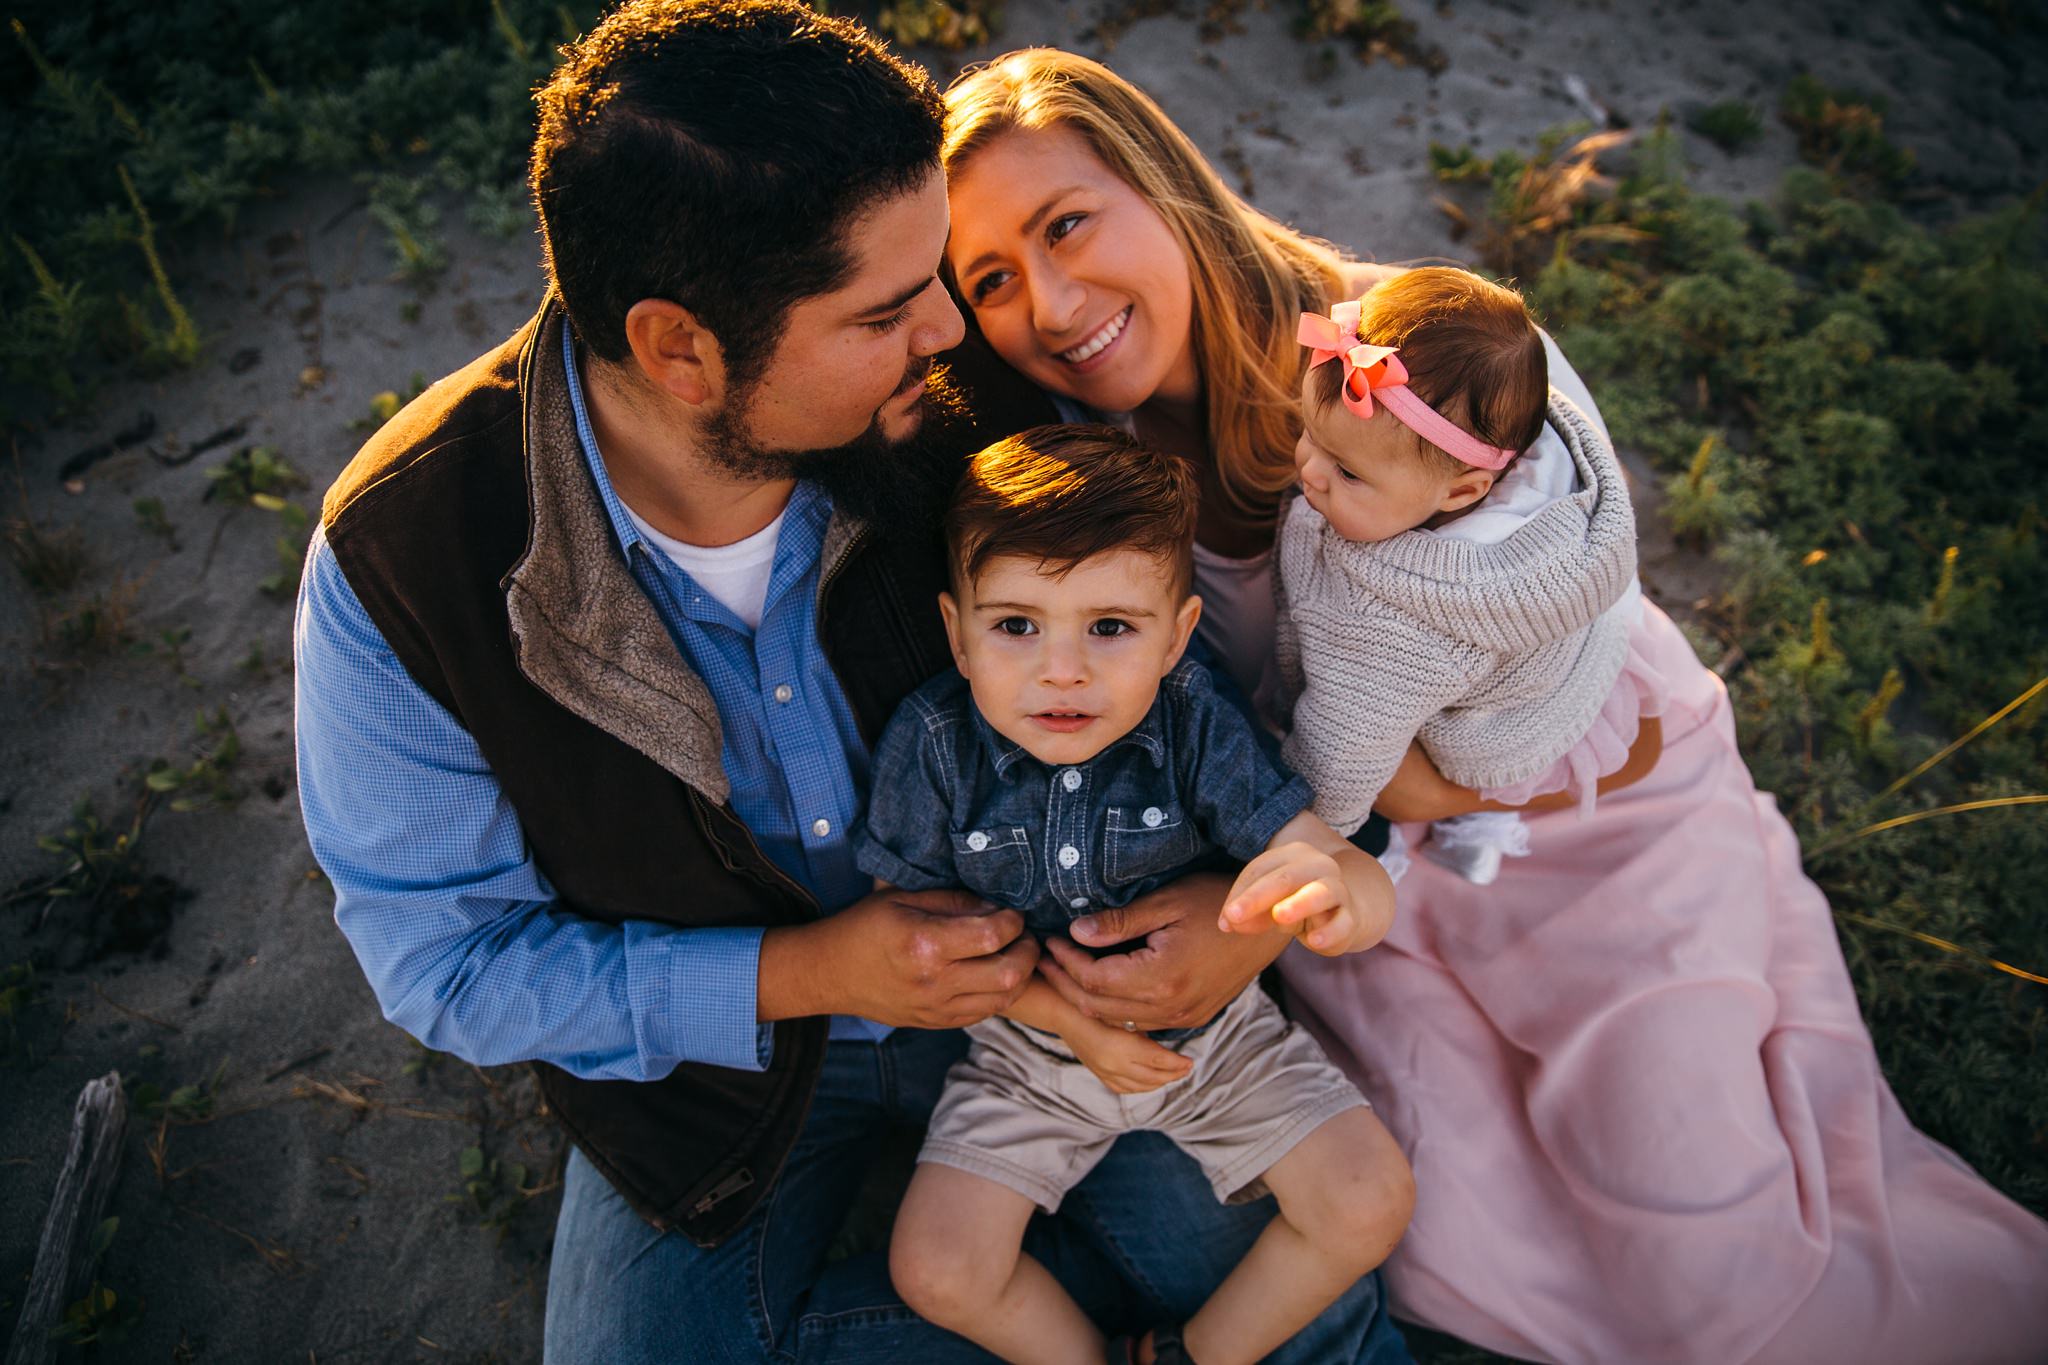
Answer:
(941, 328)
(1056, 300)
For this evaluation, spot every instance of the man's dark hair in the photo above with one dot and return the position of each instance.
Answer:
(714, 153)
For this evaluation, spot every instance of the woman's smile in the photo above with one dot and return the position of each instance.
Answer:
(1093, 353)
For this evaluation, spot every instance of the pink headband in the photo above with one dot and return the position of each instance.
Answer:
(1370, 370)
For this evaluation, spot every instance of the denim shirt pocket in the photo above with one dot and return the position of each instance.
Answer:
(995, 862)
(1145, 841)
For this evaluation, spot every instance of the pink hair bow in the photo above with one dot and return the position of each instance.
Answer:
(1370, 370)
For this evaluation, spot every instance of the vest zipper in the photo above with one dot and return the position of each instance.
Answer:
(722, 1191)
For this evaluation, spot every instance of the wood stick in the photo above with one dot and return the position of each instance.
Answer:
(63, 1267)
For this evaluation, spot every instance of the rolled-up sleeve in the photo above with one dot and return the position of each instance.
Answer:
(460, 935)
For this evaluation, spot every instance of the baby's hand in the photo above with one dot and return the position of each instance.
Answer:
(1301, 889)
(1128, 1063)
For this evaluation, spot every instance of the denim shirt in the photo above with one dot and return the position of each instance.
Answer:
(953, 803)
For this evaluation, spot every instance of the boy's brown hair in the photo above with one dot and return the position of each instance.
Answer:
(1062, 494)
(1471, 350)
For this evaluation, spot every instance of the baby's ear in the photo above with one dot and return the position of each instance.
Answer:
(1466, 489)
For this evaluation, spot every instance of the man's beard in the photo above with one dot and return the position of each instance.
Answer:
(892, 484)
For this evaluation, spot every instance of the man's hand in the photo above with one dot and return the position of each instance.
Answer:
(1128, 1063)
(1187, 970)
(910, 959)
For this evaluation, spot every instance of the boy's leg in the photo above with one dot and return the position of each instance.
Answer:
(1150, 1208)
(1345, 1195)
(957, 1257)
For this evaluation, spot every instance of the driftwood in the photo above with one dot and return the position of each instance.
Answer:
(64, 1255)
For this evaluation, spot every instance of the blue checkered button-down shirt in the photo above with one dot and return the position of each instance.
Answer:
(436, 890)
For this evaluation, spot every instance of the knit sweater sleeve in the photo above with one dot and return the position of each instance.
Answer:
(1371, 675)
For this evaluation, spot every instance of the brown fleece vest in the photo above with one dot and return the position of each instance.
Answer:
(472, 533)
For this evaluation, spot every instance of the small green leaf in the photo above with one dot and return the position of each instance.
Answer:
(472, 1161)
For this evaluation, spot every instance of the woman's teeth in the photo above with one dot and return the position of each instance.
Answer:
(1111, 330)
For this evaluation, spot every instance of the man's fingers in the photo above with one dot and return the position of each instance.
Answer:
(1002, 973)
(948, 900)
(959, 937)
(1118, 923)
(1095, 984)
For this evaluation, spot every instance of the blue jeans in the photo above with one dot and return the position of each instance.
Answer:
(1142, 1240)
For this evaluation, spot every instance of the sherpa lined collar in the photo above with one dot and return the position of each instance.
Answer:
(582, 629)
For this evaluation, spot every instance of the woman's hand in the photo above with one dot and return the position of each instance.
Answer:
(1419, 792)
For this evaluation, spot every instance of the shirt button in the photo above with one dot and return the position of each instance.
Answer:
(1071, 780)
(977, 841)
(821, 828)
(1069, 856)
(1152, 816)
(783, 692)
(1079, 902)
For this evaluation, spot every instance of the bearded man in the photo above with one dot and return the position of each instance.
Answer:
(592, 642)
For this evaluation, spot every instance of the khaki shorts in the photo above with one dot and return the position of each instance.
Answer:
(1019, 1110)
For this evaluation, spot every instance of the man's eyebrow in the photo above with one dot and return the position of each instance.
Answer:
(896, 303)
(1030, 226)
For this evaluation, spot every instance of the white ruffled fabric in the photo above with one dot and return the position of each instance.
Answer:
(1640, 691)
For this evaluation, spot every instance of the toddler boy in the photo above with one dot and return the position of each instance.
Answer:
(1076, 761)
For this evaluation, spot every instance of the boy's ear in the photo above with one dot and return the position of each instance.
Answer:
(1183, 631)
(949, 612)
(1468, 488)
(674, 352)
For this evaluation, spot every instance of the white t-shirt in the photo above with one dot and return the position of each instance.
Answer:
(736, 574)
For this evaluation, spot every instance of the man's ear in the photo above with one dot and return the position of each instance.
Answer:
(949, 612)
(674, 352)
(1468, 488)
(1183, 631)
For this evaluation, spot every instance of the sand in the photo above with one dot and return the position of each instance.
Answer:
(309, 1218)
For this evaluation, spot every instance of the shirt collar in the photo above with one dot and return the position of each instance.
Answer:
(803, 523)
(1009, 758)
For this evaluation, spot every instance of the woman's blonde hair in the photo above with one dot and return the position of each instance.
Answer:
(1252, 276)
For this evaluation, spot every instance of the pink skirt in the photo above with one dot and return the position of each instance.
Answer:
(1645, 1117)
(1641, 690)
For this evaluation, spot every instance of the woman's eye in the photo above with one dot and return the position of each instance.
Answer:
(1111, 627)
(987, 284)
(1016, 625)
(1062, 225)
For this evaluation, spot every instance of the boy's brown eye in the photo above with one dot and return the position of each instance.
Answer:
(1015, 625)
(1111, 627)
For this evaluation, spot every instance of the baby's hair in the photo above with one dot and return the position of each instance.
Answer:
(1062, 494)
(1471, 350)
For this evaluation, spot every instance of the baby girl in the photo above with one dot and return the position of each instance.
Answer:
(1441, 590)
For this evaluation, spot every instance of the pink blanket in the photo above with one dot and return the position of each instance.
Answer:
(1645, 1117)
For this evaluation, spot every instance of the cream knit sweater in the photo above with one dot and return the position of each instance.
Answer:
(1497, 657)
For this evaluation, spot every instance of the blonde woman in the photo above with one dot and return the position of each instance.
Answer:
(1645, 1118)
